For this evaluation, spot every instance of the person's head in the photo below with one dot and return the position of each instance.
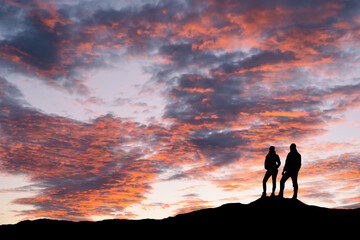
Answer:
(293, 147)
(272, 149)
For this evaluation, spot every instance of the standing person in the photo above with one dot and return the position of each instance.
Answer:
(291, 169)
(272, 163)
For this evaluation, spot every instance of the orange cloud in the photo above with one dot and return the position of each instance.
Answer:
(296, 113)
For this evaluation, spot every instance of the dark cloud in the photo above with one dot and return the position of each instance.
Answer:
(199, 99)
(220, 148)
(184, 55)
(38, 47)
(190, 195)
(213, 139)
(56, 42)
(258, 60)
(9, 92)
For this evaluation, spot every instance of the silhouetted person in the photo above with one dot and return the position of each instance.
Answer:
(291, 169)
(272, 163)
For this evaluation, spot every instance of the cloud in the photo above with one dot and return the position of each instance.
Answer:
(345, 166)
(79, 167)
(57, 42)
(184, 55)
(339, 173)
(38, 49)
(236, 76)
(262, 59)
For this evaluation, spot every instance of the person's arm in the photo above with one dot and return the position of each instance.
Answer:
(285, 166)
(278, 161)
(265, 162)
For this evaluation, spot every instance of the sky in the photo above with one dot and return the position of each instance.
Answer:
(147, 109)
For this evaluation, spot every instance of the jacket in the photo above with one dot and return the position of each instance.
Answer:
(272, 161)
(293, 162)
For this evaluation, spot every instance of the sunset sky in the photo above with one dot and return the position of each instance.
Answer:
(150, 108)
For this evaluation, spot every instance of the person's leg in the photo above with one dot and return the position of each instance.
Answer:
(282, 184)
(274, 174)
(295, 184)
(266, 177)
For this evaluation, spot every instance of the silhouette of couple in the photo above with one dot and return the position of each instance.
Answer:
(291, 170)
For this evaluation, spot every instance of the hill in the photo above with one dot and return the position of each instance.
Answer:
(265, 217)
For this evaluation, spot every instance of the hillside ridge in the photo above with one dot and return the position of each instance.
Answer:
(261, 216)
